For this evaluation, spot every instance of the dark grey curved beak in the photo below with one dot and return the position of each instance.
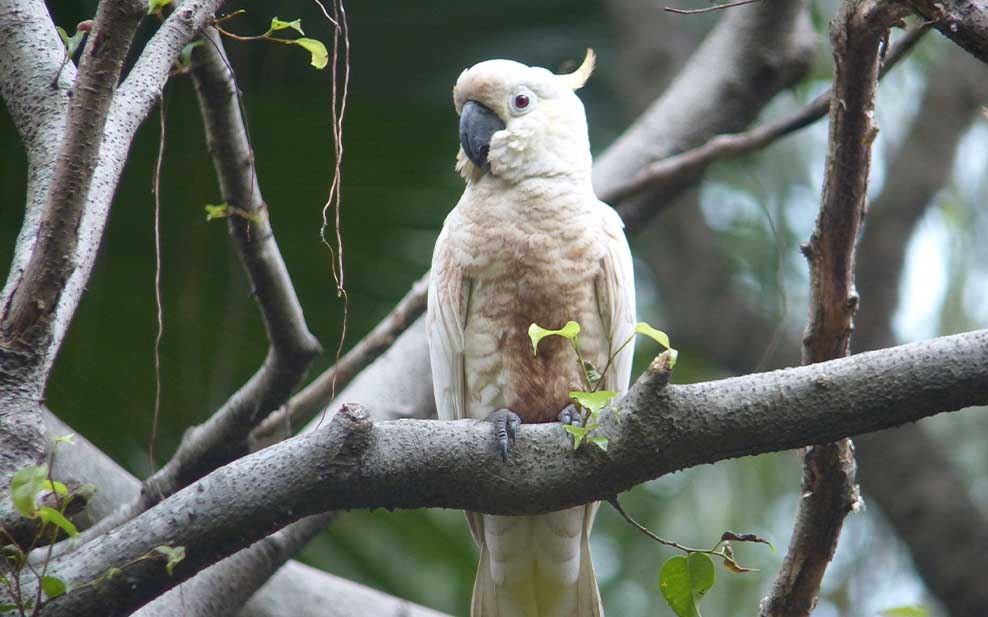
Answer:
(477, 124)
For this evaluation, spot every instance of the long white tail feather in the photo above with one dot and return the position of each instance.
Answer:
(552, 576)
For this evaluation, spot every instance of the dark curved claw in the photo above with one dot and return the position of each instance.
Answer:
(506, 423)
(570, 415)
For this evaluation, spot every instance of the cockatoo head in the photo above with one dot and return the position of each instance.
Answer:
(519, 122)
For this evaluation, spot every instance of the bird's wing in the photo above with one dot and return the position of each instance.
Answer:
(616, 300)
(446, 321)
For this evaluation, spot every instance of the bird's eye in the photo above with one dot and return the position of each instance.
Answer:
(522, 101)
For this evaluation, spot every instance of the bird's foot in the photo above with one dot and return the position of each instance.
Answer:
(570, 416)
(506, 423)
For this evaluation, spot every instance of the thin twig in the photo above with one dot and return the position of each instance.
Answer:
(645, 530)
(316, 396)
(335, 198)
(716, 7)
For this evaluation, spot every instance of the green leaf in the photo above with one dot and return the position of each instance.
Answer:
(56, 487)
(71, 42)
(593, 401)
(320, 57)
(658, 336)
(277, 24)
(174, 556)
(906, 611)
(87, 490)
(155, 6)
(537, 333)
(185, 56)
(684, 581)
(68, 438)
(52, 586)
(217, 211)
(600, 442)
(111, 572)
(25, 486)
(51, 515)
(578, 433)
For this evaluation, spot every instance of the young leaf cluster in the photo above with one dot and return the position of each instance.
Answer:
(26, 487)
(319, 56)
(591, 401)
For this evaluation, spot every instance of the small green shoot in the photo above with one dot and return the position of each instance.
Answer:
(25, 486)
(319, 56)
(173, 556)
(537, 333)
(155, 6)
(52, 586)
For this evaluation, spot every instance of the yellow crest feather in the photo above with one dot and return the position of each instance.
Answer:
(577, 78)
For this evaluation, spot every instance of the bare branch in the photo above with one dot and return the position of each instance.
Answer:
(716, 7)
(754, 52)
(317, 395)
(28, 306)
(353, 462)
(27, 314)
(667, 172)
(829, 490)
(965, 22)
(292, 347)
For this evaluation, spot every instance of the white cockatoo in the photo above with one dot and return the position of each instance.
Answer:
(528, 242)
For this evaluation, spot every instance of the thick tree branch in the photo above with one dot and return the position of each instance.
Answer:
(28, 307)
(388, 386)
(665, 174)
(75, 223)
(965, 22)
(352, 462)
(292, 347)
(829, 490)
(27, 314)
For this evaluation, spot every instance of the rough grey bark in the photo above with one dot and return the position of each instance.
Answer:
(904, 471)
(829, 489)
(29, 306)
(910, 489)
(352, 462)
(291, 346)
(24, 367)
(965, 22)
(314, 398)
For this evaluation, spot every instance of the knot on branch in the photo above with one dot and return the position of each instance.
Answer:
(351, 425)
(659, 371)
